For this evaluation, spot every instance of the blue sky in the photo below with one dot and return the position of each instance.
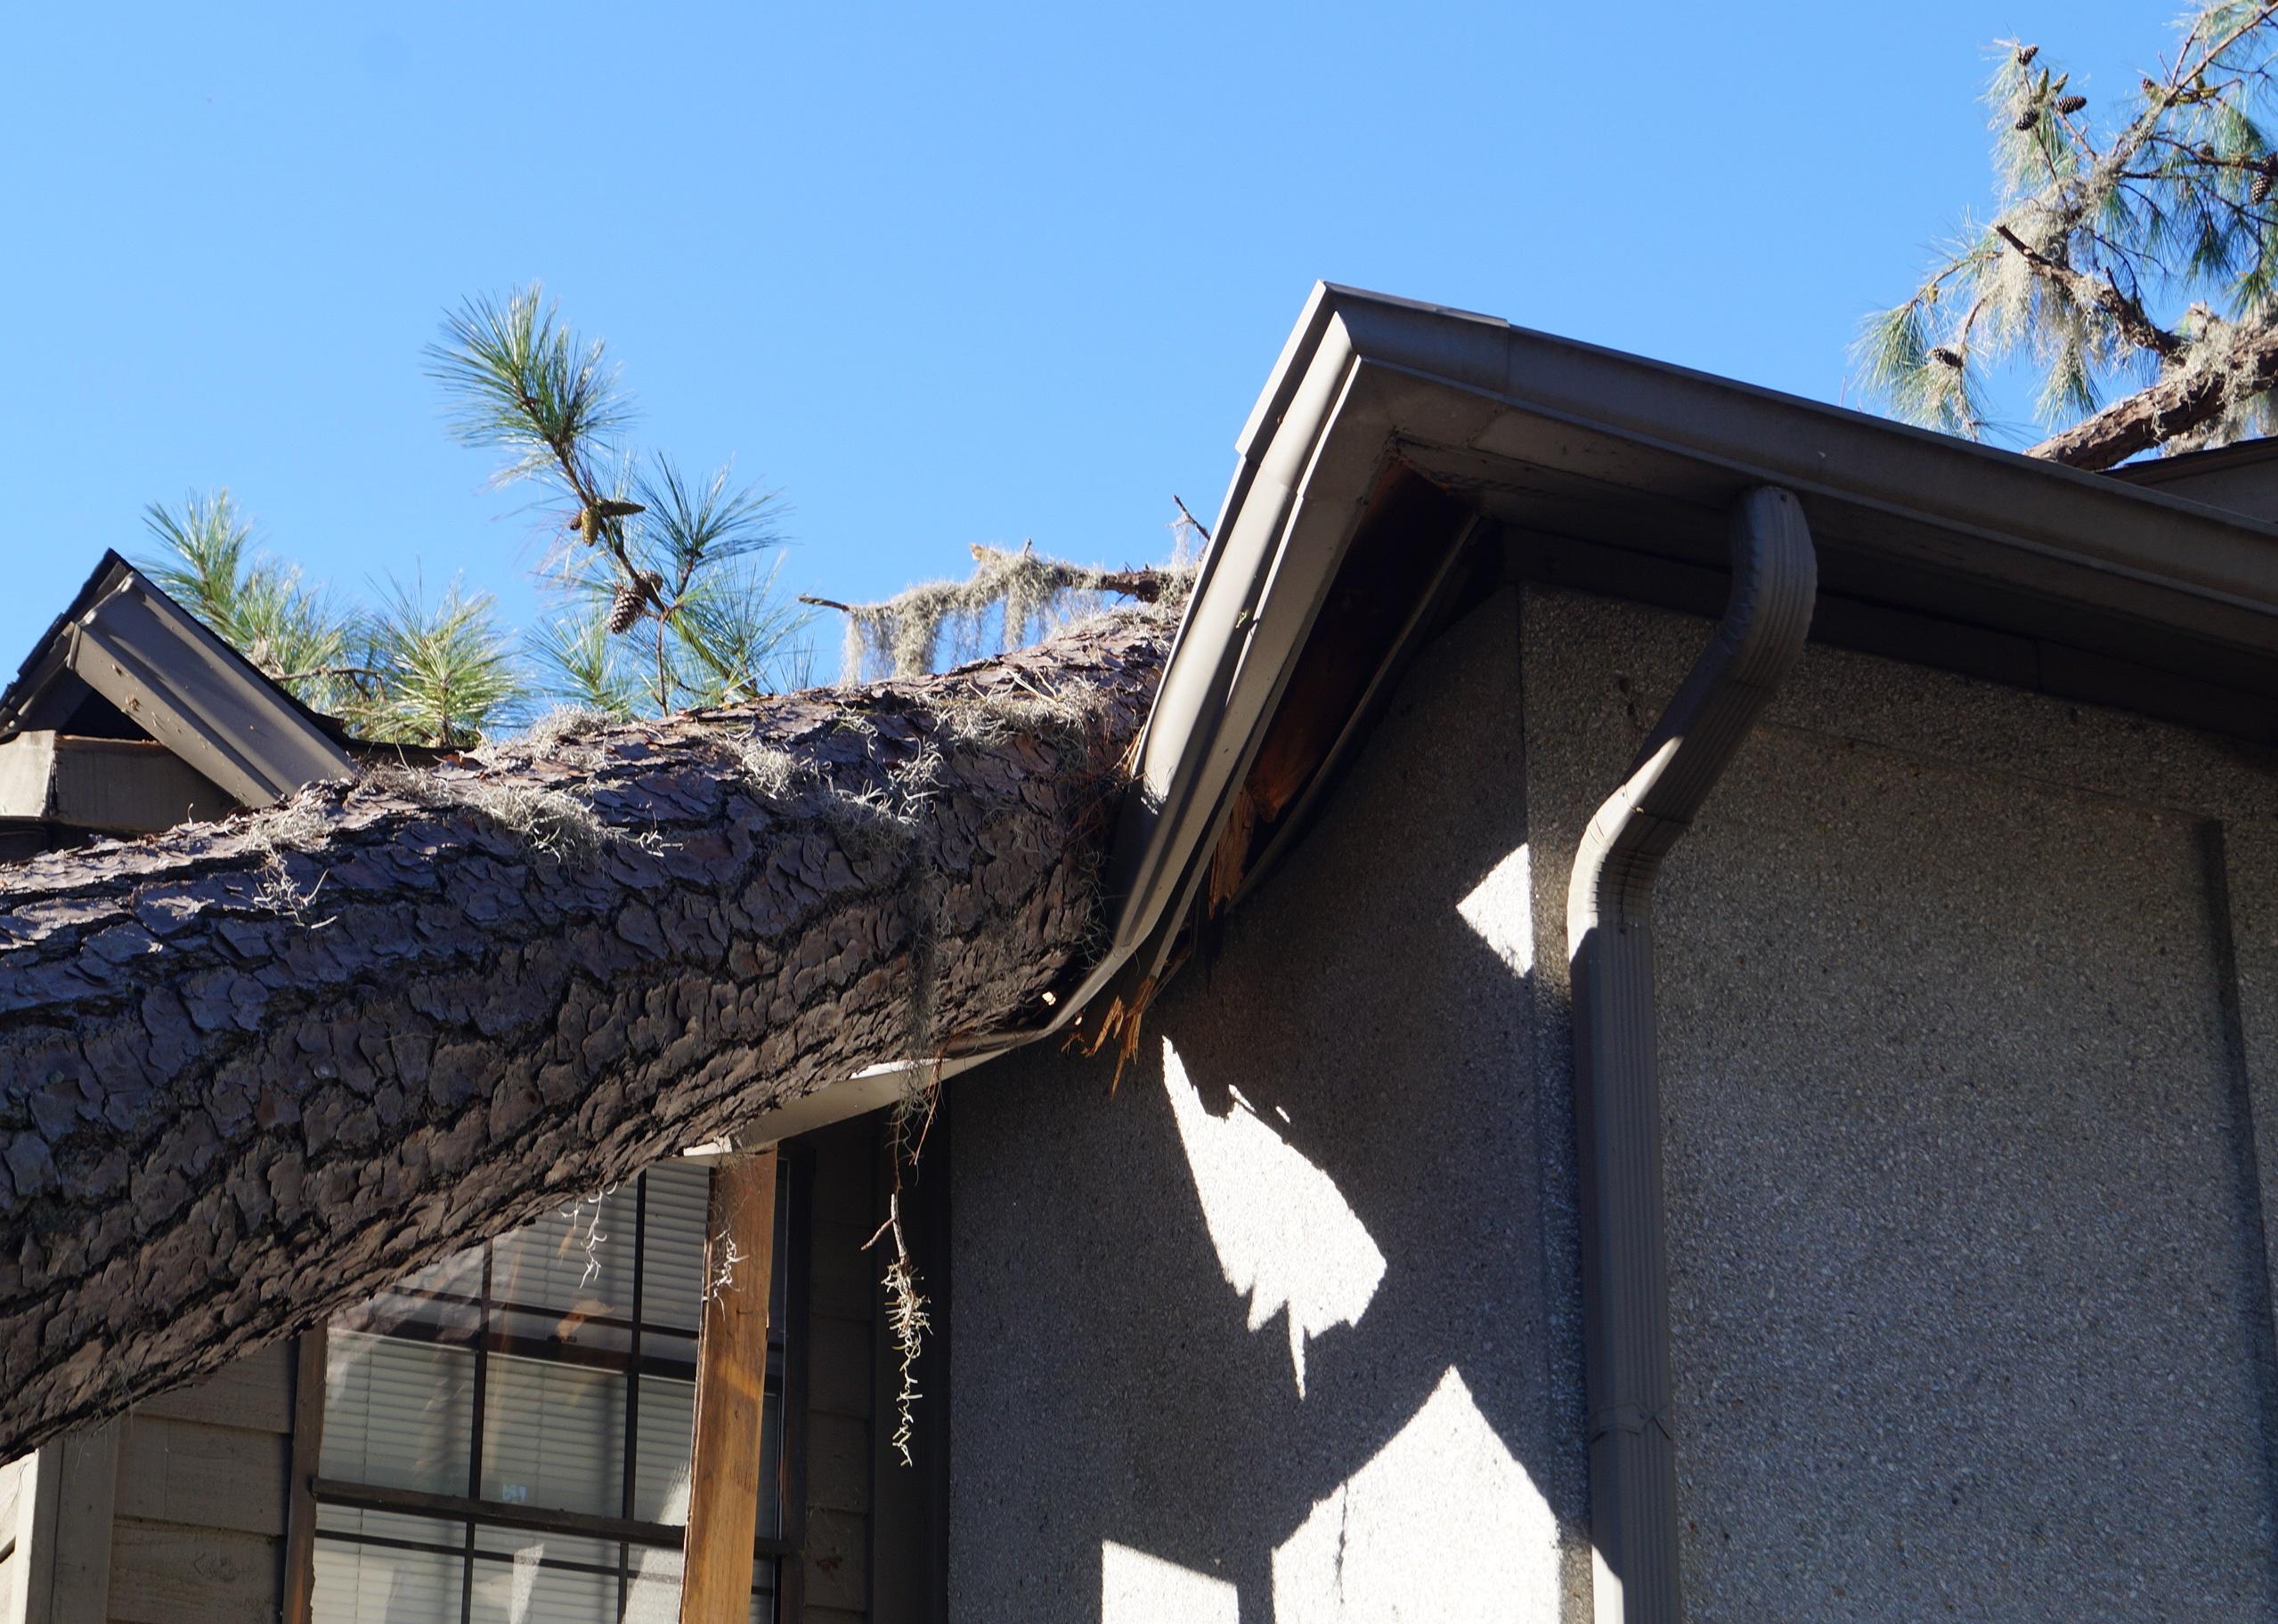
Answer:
(943, 274)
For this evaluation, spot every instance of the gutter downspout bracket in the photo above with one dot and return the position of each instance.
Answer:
(1617, 1091)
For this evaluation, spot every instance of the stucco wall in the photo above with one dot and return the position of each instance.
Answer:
(1332, 1124)
(1970, 1294)
(1970, 1033)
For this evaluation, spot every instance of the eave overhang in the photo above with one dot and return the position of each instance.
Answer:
(1584, 467)
(1616, 474)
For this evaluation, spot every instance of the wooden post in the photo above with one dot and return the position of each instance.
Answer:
(300, 1500)
(731, 1379)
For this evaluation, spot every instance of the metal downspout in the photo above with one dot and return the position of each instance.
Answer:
(1617, 1093)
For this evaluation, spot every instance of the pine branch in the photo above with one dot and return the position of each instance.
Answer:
(2146, 267)
(1008, 591)
(2126, 314)
(2170, 410)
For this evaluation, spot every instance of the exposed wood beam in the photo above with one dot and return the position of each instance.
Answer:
(731, 1380)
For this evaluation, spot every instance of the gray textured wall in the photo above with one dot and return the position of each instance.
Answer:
(1970, 1301)
(1970, 1031)
(1345, 1138)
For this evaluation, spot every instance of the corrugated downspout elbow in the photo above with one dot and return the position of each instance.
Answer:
(1617, 1093)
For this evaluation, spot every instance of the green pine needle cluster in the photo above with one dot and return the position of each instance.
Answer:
(2134, 240)
(400, 672)
(661, 597)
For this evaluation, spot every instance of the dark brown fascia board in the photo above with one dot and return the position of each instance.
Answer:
(1974, 515)
(126, 640)
(1535, 425)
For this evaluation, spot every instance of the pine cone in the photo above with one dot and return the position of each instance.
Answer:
(587, 523)
(2070, 105)
(2028, 118)
(1946, 355)
(2025, 54)
(625, 607)
(2260, 192)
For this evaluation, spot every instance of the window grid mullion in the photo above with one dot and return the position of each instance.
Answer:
(475, 1443)
(631, 1447)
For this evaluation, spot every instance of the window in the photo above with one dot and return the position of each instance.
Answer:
(507, 1434)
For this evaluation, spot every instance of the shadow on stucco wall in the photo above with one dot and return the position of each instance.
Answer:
(1284, 1329)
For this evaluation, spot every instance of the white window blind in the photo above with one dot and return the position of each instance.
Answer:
(532, 1343)
(554, 1435)
(397, 1413)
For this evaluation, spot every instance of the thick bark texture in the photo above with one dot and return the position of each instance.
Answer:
(2167, 411)
(252, 1071)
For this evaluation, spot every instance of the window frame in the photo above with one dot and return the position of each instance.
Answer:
(786, 1385)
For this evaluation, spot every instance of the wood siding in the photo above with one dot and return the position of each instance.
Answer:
(200, 1524)
(185, 1525)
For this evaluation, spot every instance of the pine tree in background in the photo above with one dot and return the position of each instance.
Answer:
(662, 598)
(401, 673)
(2132, 257)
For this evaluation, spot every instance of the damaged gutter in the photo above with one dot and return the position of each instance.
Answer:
(1617, 1082)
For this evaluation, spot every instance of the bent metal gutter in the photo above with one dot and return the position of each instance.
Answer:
(1617, 1091)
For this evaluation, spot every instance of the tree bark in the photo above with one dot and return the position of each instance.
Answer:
(2167, 411)
(252, 1071)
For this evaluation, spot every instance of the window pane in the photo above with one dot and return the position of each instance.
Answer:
(580, 1261)
(449, 1318)
(654, 1595)
(559, 1548)
(526, 1588)
(667, 1433)
(459, 1275)
(370, 1584)
(397, 1413)
(525, 1329)
(679, 1202)
(553, 1435)
(390, 1525)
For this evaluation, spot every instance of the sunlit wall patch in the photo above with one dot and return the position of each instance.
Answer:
(1501, 908)
(1441, 1523)
(1138, 1588)
(1284, 1233)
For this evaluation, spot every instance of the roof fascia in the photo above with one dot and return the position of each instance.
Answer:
(1364, 377)
(2025, 519)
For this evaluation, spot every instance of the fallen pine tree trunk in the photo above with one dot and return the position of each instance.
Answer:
(252, 1071)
